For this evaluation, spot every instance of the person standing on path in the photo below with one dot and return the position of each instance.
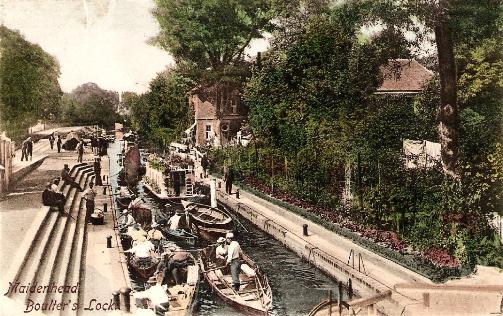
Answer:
(58, 144)
(80, 151)
(89, 195)
(24, 150)
(229, 178)
(233, 253)
(29, 148)
(205, 164)
(51, 140)
(97, 170)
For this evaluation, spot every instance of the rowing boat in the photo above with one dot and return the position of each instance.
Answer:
(179, 235)
(182, 297)
(143, 269)
(254, 296)
(206, 216)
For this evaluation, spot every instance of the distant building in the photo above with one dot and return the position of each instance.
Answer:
(404, 76)
(219, 113)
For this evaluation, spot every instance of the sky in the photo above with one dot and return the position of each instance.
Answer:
(101, 41)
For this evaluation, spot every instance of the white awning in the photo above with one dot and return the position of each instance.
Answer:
(190, 129)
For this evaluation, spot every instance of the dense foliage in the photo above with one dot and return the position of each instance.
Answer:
(326, 143)
(162, 114)
(29, 88)
(88, 104)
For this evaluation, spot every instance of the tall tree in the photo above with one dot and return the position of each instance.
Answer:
(29, 88)
(211, 33)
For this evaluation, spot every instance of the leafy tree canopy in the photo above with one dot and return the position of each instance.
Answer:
(211, 33)
(29, 88)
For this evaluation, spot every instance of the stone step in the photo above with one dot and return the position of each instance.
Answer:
(76, 265)
(52, 257)
(39, 274)
(60, 267)
(44, 221)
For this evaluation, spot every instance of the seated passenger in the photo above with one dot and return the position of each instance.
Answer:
(53, 199)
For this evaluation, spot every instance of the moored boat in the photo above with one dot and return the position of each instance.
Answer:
(179, 235)
(143, 269)
(182, 297)
(206, 216)
(254, 296)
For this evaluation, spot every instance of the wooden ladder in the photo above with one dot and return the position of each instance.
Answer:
(189, 187)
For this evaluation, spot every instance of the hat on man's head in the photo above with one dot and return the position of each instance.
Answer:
(180, 211)
(125, 212)
(48, 184)
(220, 240)
(229, 235)
(66, 165)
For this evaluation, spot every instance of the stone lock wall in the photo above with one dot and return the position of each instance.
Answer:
(6, 156)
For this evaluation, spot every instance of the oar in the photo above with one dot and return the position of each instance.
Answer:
(213, 269)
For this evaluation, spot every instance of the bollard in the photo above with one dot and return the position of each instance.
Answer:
(105, 207)
(104, 190)
(109, 241)
(304, 230)
(237, 194)
(116, 297)
(127, 300)
(350, 289)
(340, 298)
(219, 184)
(104, 177)
(200, 176)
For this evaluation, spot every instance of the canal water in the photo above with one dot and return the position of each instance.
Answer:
(296, 285)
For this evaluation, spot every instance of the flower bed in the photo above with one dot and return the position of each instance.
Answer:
(434, 263)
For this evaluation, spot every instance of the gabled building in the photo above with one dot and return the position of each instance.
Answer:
(219, 113)
(404, 76)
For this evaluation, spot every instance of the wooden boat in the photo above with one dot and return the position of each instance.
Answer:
(141, 213)
(208, 217)
(179, 235)
(254, 296)
(182, 297)
(144, 270)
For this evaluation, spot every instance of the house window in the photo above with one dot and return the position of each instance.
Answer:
(208, 133)
(234, 105)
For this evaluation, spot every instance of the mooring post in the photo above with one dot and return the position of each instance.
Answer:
(105, 207)
(350, 289)
(330, 302)
(109, 241)
(127, 300)
(104, 190)
(340, 298)
(237, 194)
(117, 299)
(304, 230)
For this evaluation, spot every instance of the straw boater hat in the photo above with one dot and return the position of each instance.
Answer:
(125, 212)
(221, 240)
(180, 211)
(229, 235)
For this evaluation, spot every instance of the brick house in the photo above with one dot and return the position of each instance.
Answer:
(219, 113)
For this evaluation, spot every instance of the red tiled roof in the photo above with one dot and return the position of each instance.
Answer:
(404, 76)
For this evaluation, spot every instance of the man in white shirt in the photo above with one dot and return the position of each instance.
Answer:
(128, 219)
(137, 233)
(157, 295)
(233, 252)
(178, 221)
(89, 195)
(142, 250)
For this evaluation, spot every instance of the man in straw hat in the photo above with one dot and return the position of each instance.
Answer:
(233, 253)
